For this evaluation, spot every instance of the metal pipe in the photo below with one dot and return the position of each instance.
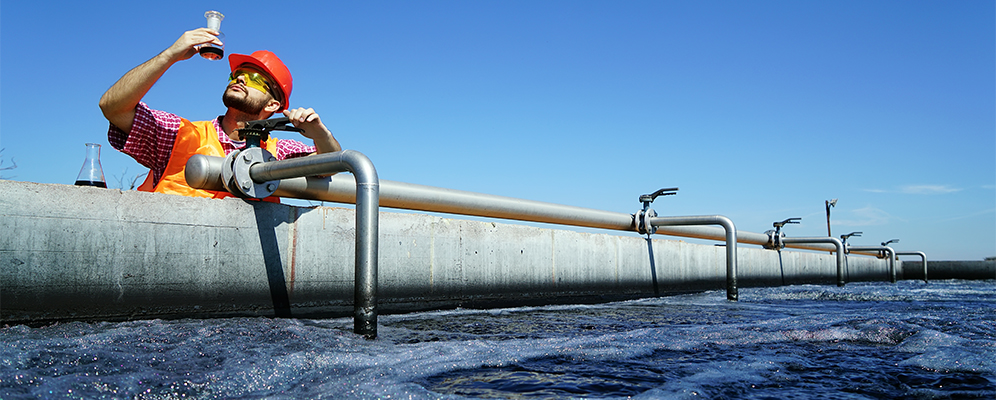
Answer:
(923, 256)
(409, 196)
(838, 245)
(730, 238)
(205, 172)
(433, 199)
(890, 252)
(340, 189)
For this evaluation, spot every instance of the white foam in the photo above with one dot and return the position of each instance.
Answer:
(722, 343)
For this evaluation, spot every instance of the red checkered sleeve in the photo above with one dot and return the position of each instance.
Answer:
(151, 139)
(287, 148)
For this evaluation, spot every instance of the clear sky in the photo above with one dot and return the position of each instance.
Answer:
(756, 110)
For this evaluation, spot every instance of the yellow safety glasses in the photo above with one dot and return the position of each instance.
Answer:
(253, 79)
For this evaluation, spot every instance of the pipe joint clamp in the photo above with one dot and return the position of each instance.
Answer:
(235, 173)
(774, 240)
(642, 221)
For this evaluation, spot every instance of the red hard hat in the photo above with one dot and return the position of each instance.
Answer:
(269, 63)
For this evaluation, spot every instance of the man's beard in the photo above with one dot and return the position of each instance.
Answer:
(244, 103)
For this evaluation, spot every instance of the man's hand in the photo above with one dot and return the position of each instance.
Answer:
(186, 46)
(314, 129)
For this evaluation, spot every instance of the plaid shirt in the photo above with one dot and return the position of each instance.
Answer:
(153, 133)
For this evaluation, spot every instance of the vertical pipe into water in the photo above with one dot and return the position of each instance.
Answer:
(836, 242)
(889, 253)
(732, 293)
(892, 262)
(367, 220)
(365, 285)
(923, 256)
(841, 260)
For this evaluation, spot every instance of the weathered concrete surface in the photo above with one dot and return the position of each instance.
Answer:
(69, 252)
(950, 269)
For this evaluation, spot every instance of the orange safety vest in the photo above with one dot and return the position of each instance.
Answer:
(198, 137)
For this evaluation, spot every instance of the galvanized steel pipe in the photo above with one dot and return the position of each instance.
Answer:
(202, 170)
(409, 196)
(837, 243)
(888, 250)
(923, 256)
(340, 189)
(427, 198)
(730, 237)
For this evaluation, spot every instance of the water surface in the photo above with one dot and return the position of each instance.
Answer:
(866, 340)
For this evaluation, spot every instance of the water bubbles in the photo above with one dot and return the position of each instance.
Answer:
(872, 340)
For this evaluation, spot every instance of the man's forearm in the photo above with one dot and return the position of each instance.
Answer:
(327, 144)
(118, 103)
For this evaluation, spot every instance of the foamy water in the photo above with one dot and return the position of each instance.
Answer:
(874, 340)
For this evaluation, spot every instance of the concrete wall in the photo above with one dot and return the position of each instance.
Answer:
(70, 252)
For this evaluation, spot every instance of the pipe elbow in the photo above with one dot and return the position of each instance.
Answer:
(361, 167)
(728, 224)
(839, 244)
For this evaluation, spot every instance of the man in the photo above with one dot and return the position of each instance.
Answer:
(260, 85)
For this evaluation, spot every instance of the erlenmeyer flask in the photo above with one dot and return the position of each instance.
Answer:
(91, 174)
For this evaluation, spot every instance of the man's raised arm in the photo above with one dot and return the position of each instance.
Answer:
(118, 103)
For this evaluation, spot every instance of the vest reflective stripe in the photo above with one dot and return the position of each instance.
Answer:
(198, 137)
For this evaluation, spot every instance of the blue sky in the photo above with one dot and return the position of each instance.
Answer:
(757, 110)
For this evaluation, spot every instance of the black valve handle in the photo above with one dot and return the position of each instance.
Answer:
(258, 131)
(786, 222)
(649, 198)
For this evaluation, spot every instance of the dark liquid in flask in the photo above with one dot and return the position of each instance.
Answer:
(91, 183)
(211, 53)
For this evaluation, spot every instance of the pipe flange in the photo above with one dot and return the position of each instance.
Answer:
(228, 173)
(650, 228)
(641, 221)
(774, 240)
(240, 179)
